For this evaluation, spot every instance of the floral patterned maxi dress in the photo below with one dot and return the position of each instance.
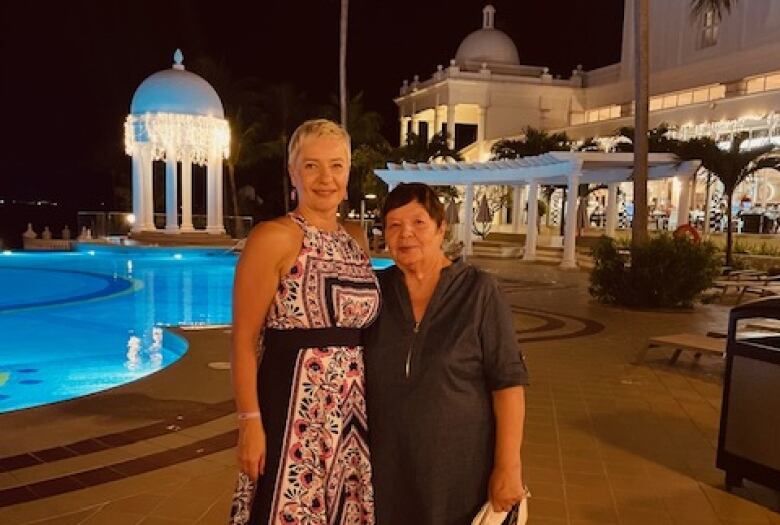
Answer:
(311, 390)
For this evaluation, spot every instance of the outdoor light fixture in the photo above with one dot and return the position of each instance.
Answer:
(370, 196)
(169, 133)
(130, 218)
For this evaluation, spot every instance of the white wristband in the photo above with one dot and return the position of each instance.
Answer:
(242, 416)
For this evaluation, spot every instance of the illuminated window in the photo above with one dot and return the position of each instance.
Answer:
(577, 118)
(717, 92)
(656, 103)
(593, 116)
(670, 101)
(755, 85)
(614, 112)
(709, 29)
(773, 82)
(604, 113)
(683, 99)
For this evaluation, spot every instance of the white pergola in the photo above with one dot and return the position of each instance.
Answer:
(558, 168)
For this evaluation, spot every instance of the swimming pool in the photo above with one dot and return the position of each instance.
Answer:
(75, 323)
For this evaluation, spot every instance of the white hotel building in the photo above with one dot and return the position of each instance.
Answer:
(707, 77)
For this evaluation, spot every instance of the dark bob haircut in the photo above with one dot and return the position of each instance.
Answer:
(403, 194)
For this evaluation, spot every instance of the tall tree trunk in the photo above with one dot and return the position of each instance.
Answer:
(729, 234)
(343, 62)
(641, 95)
(344, 206)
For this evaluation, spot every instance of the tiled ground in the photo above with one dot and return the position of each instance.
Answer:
(606, 441)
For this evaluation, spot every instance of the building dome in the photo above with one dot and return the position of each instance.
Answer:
(488, 44)
(176, 90)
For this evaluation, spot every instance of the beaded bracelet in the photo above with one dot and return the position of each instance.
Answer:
(242, 416)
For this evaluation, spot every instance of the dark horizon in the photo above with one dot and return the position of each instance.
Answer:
(70, 70)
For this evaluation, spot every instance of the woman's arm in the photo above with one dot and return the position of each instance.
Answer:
(269, 246)
(506, 480)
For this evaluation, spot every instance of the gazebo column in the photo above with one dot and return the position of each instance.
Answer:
(518, 204)
(570, 231)
(468, 219)
(138, 201)
(451, 126)
(186, 192)
(171, 195)
(684, 202)
(147, 189)
(531, 233)
(213, 190)
(612, 209)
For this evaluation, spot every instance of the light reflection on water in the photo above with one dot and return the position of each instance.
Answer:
(54, 348)
(76, 323)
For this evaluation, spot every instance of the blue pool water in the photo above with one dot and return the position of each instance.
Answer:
(80, 322)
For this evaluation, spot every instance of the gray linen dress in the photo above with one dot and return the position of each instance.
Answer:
(429, 397)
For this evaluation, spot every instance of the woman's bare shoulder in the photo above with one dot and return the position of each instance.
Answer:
(276, 237)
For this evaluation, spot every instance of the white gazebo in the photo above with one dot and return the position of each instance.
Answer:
(558, 168)
(176, 117)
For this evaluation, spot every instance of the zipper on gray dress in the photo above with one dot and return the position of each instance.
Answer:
(411, 348)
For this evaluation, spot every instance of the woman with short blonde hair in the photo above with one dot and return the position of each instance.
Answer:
(304, 289)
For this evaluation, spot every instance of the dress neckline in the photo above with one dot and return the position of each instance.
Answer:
(299, 219)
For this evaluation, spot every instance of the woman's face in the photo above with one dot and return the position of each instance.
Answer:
(320, 173)
(412, 236)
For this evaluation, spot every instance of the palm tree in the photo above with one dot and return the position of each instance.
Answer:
(534, 142)
(283, 109)
(239, 96)
(732, 167)
(700, 7)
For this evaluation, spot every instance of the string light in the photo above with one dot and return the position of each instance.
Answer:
(173, 133)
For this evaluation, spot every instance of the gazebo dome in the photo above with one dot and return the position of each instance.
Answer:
(488, 44)
(178, 91)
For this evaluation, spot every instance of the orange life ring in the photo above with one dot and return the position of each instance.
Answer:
(690, 231)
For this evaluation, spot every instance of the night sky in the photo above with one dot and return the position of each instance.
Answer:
(69, 69)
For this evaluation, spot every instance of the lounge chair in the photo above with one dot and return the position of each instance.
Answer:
(696, 343)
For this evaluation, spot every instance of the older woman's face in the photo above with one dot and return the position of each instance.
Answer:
(320, 173)
(412, 236)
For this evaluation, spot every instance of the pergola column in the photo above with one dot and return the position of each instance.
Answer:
(171, 195)
(518, 204)
(531, 233)
(612, 209)
(436, 122)
(468, 219)
(570, 231)
(186, 192)
(138, 202)
(451, 126)
(147, 189)
(684, 202)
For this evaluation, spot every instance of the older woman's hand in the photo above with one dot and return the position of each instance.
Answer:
(506, 486)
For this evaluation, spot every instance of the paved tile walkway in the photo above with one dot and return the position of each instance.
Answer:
(606, 441)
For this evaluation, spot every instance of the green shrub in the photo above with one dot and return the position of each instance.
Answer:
(665, 272)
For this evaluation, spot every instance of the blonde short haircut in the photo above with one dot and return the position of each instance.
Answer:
(317, 128)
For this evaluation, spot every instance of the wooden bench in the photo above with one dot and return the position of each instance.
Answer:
(681, 342)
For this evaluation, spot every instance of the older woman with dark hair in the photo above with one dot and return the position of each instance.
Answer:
(445, 378)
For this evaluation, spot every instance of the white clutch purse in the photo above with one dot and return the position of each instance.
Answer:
(517, 516)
